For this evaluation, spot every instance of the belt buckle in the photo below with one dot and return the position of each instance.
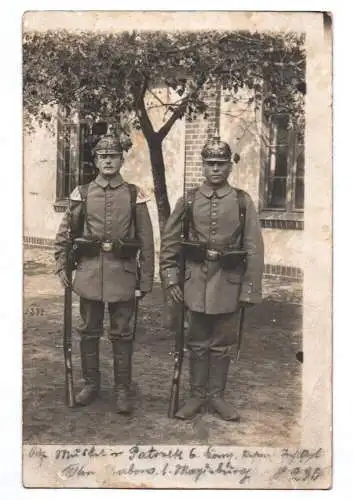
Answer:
(107, 246)
(212, 255)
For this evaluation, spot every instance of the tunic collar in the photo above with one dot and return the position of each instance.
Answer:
(113, 183)
(220, 192)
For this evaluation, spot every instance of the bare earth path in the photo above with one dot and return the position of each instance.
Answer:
(265, 383)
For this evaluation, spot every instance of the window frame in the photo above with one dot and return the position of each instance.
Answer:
(76, 151)
(289, 212)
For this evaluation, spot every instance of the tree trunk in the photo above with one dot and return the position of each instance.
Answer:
(159, 178)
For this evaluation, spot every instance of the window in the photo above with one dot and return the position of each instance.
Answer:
(89, 136)
(284, 168)
(75, 165)
(299, 171)
(65, 179)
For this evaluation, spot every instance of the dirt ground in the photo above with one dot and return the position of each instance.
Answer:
(265, 383)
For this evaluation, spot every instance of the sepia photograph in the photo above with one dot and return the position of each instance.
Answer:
(177, 249)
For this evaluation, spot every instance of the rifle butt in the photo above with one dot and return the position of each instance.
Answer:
(69, 393)
(136, 312)
(173, 405)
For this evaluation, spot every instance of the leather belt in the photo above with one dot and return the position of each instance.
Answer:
(212, 255)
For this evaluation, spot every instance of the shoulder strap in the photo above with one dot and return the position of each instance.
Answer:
(83, 190)
(188, 212)
(133, 196)
(240, 230)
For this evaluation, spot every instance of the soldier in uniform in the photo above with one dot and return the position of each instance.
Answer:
(219, 280)
(110, 223)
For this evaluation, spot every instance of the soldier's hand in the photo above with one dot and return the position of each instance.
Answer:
(141, 295)
(175, 294)
(64, 278)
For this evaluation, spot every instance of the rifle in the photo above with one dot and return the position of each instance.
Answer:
(242, 215)
(179, 335)
(67, 335)
(137, 296)
(177, 369)
(240, 332)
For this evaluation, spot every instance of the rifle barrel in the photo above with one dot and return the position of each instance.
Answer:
(178, 362)
(67, 342)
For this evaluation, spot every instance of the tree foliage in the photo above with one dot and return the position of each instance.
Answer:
(108, 76)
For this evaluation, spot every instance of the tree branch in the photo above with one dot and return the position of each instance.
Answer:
(178, 112)
(156, 97)
(141, 112)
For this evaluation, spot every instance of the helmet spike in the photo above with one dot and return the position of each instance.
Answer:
(216, 136)
(110, 129)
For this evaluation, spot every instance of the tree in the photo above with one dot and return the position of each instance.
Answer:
(108, 76)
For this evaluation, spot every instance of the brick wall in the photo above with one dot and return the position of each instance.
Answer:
(197, 132)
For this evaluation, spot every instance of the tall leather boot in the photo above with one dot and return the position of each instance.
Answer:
(198, 376)
(219, 367)
(89, 348)
(122, 366)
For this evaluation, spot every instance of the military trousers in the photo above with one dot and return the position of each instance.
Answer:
(92, 315)
(212, 333)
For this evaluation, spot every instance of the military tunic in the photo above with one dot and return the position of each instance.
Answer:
(208, 288)
(105, 278)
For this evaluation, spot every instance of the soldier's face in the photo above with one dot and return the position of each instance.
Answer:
(109, 165)
(216, 172)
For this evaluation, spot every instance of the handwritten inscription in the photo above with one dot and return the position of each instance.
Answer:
(188, 465)
(299, 474)
(222, 469)
(76, 470)
(38, 453)
(217, 455)
(152, 453)
(132, 470)
(302, 456)
(70, 453)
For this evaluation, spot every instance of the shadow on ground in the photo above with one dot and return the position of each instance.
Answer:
(265, 383)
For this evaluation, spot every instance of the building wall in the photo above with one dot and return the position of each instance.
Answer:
(197, 133)
(283, 247)
(240, 126)
(40, 162)
(39, 186)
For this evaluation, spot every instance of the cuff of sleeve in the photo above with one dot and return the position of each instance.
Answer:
(145, 287)
(170, 277)
(59, 267)
(250, 293)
